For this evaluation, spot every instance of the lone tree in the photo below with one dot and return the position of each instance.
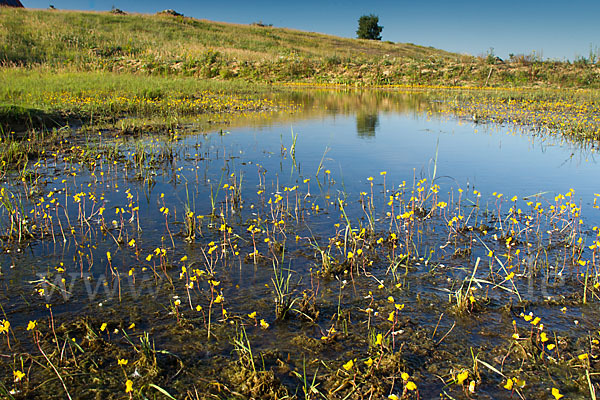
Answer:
(368, 27)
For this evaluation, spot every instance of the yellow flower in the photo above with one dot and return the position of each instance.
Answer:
(393, 397)
(410, 385)
(128, 386)
(405, 376)
(122, 361)
(379, 339)
(348, 366)
(369, 362)
(391, 316)
(4, 326)
(18, 375)
(509, 384)
(31, 325)
(108, 256)
(198, 308)
(460, 378)
(264, 324)
(252, 314)
(583, 356)
(556, 393)
(103, 326)
(551, 346)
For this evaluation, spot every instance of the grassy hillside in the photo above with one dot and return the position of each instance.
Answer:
(33, 36)
(171, 45)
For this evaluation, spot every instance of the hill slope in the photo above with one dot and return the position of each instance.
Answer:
(165, 45)
(45, 35)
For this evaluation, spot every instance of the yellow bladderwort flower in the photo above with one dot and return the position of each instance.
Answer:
(128, 386)
(556, 393)
(4, 326)
(103, 327)
(378, 339)
(252, 314)
(392, 316)
(122, 361)
(509, 384)
(18, 375)
(31, 325)
(460, 378)
(410, 385)
(348, 366)
(405, 377)
(369, 362)
(264, 324)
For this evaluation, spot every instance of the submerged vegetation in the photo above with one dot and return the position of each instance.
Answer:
(176, 265)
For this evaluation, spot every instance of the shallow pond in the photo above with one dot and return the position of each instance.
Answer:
(322, 254)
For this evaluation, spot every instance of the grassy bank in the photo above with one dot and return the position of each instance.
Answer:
(33, 99)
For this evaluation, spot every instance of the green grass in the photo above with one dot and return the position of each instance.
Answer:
(56, 37)
(34, 98)
(180, 46)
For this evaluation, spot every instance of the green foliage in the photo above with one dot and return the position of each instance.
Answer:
(368, 27)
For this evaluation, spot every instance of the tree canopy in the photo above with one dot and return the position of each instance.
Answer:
(368, 27)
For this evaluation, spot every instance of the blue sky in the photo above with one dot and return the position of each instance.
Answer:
(552, 29)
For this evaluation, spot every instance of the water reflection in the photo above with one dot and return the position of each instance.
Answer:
(366, 124)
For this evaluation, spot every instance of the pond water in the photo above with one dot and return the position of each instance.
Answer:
(361, 214)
